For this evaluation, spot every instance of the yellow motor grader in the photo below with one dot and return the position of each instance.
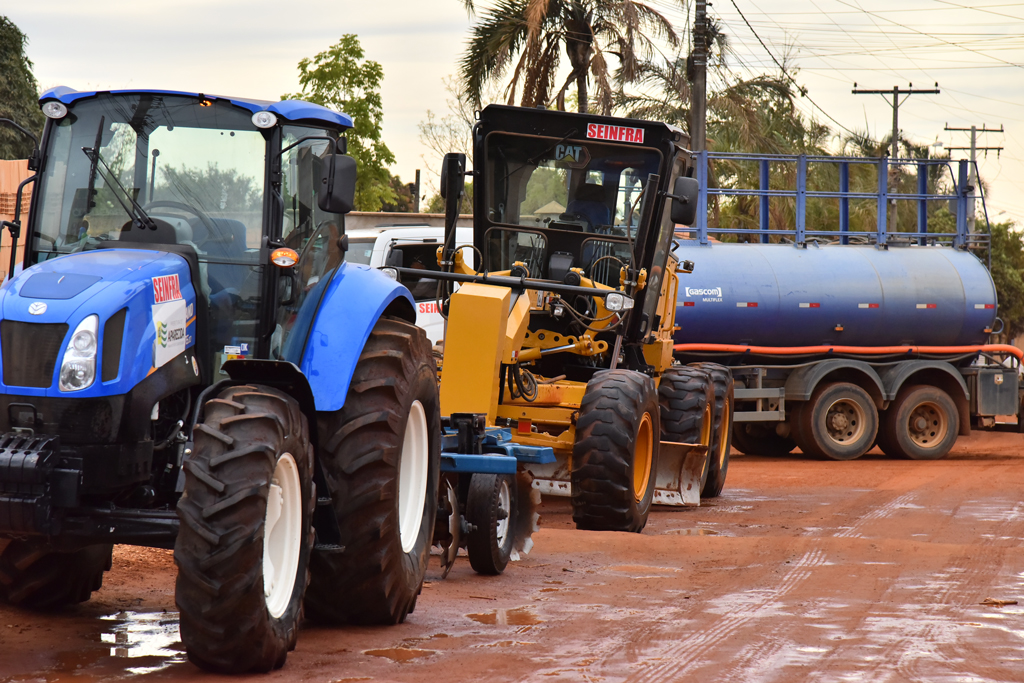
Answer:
(557, 354)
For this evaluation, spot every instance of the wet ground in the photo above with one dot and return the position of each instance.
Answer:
(871, 570)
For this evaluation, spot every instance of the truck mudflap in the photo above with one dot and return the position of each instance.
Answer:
(677, 481)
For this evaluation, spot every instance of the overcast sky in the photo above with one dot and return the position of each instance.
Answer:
(973, 48)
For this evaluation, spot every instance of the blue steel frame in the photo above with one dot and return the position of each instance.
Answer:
(960, 239)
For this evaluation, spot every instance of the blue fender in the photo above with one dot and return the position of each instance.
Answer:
(356, 298)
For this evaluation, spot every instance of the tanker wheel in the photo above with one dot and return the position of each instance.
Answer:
(381, 455)
(752, 438)
(35, 576)
(491, 509)
(721, 434)
(615, 456)
(839, 422)
(921, 424)
(246, 531)
(686, 396)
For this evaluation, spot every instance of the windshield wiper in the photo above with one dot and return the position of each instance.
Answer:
(138, 215)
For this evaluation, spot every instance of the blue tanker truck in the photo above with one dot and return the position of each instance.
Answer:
(841, 340)
(189, 363)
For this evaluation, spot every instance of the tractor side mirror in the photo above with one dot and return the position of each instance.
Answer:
(684, 201)
(453, 183)
(337, 184)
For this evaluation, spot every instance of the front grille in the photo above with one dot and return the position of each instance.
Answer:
(30, 352)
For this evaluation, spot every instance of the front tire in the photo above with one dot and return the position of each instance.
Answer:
(615, 457)
(381, 456)
(34, 576)
(243, 547)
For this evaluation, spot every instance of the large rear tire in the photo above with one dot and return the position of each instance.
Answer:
(35, 576)
(838, 423)
(721, 434)
(381, 455)
(246, 531)
(615, 457)
(921, 424)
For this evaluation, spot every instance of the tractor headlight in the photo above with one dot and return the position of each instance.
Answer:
(78, 367)
(617, 301)
(55, 110)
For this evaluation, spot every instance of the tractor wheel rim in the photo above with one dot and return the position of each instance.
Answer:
(412, 476)
(927, 425)
(504, 506)
(643, 454)
(845, 421)
(282, 536)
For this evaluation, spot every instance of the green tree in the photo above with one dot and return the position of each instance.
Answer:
(405, 197)
(18, 93)
(343, 79)
(1007, 252)
(533, 33)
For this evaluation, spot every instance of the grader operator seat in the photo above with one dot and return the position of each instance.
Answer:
(591, 205)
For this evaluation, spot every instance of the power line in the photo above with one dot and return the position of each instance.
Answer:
(800, 89)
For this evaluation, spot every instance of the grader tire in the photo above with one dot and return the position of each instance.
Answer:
(615, 457)
(34, 576)
(246, 531)
(721, 432)
(686, 397)
(381, 455)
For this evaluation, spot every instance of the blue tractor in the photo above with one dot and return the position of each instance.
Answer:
(188, 362)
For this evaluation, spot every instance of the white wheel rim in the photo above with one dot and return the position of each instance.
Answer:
(282, 536)
(412, 476)
(504, 505)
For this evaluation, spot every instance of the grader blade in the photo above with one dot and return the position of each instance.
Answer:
(680, 466)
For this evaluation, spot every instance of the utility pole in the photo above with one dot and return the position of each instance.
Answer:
(896, 102)
(698, 93)
(416, 194)
(972, 181)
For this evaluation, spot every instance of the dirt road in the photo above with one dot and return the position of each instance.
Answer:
(871, 570)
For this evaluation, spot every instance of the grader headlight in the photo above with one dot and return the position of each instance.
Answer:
(617, 301)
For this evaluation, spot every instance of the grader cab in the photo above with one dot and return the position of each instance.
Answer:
(558, 346)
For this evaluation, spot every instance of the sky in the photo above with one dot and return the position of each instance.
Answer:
(974, 49)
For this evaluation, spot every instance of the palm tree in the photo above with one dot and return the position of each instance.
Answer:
(531, 34)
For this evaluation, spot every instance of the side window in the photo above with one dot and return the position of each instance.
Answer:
(300, 170)
(420, 256)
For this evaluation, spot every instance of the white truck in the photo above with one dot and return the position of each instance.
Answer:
(409, 246)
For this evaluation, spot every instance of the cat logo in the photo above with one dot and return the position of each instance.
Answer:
(574, 156)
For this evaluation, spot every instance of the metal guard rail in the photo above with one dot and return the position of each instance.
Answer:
(962, 238)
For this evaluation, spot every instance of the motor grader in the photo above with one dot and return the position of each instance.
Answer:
(557, 354)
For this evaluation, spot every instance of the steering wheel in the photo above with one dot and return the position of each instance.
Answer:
(206, 220)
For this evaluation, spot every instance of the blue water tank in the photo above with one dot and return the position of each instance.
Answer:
(785, 295)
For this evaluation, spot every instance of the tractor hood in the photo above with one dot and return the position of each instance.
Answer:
(144, 303)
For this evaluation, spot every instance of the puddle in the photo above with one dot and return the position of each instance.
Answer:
(690, 532)
(643, 568)
(151, 635)
(400, 654)
(519, 616)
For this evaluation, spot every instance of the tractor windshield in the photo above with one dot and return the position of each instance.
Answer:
(197, 164)
(548, 196)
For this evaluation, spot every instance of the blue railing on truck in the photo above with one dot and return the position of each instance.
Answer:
(962, 238)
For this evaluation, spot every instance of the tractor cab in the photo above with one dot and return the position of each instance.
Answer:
(214, 179)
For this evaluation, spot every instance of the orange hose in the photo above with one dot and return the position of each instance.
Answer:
(859, 350)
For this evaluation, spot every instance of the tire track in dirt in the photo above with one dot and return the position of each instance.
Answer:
(676, 658)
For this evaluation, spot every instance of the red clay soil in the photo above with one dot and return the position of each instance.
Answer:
(870, 570)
